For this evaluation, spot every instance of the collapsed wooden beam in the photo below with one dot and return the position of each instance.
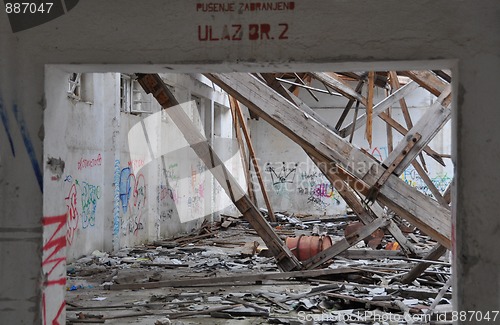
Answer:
(334, 81)
(427, 80)
(428, 126)
(351, 163)
(239, 115)
(152, 83)
(433, 255)
(403, 131)
(380, 108)
(395, 85)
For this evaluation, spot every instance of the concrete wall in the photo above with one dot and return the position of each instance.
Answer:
(127, 179)
(296, 185)
(130, 36)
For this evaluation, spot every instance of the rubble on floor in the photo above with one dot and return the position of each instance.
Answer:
(222, 275)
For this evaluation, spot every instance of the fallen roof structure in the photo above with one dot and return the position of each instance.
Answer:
(366, 184)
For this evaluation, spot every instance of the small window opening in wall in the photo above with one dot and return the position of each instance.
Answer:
(74, 86)
(133, 99)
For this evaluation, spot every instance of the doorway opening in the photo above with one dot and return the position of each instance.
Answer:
(204, 183)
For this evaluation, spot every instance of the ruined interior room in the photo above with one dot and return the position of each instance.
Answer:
(172, 162)
(197, 203)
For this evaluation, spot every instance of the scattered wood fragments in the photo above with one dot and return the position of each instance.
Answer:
(214, 280)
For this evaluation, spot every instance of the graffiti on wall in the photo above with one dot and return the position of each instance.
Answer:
(320, 193)
(282, 174)
(89, 162)
(81, 203)
(116, 202)
(410, 176)
(133, 199)
(54, 268)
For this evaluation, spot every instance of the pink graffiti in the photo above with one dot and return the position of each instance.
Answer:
(323, 190)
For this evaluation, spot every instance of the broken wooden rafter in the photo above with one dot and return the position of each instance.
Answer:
(380, 107)
(152, 83)
(239, 115)
(388, 128)
(364, 212)
(395, 85)
(427, 80)
(351, 163)
(427, 127)
(369, 108)
(332, 80)
(403, 131)
(244, 160)
(434, 254)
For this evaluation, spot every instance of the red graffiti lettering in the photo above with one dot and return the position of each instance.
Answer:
(52, 258)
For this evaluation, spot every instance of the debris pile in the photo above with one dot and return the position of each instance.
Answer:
(222, 273)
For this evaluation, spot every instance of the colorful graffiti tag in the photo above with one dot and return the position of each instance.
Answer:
(133, 198)
(81, 203)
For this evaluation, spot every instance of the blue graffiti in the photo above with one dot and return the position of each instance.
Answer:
(29, 145)
(6, 125)
(125, 188)
(116, 207)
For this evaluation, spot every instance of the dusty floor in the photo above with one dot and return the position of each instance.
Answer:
(116, 289)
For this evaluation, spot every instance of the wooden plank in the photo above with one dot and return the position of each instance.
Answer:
(152, 83)
(334, 81)
(345, 243)
(233, 279)
(395, 85)
(243, 155)
(356, 167)
(380, 108)
(234, 103)
(388, 128)
(369, 108)
(433, 255)
(427, 80)
(428, 126)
